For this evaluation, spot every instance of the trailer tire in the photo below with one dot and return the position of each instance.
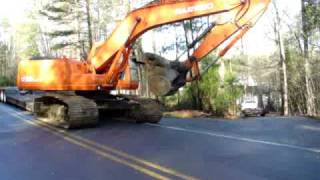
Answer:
(4, 100)
(1, 96)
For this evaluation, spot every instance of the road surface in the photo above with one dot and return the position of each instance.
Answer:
(252, 148)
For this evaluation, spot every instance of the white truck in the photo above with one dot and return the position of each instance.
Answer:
(253, 106)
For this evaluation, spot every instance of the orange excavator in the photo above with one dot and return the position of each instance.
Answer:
(77, 92)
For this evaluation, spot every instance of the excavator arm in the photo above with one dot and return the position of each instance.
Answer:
(235, 23)
(165, 12)
(208, 45)
(232, 31)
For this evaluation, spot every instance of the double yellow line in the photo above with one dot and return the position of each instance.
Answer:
(146, 167)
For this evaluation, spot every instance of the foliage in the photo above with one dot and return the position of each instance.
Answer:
(311, 13)
(218, 96)
(67, 19)
(27, 35)
(5, 81)
(221, 95)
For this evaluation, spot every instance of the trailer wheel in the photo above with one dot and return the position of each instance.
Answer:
(1, 96)
(4, 100)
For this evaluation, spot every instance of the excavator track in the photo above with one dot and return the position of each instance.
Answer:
(127, 108)
(70, 110)
(66, 110)
(148, 111)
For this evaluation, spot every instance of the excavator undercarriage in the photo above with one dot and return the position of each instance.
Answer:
(72, 110)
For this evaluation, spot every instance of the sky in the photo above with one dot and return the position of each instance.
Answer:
(15, 10)
(256, 41)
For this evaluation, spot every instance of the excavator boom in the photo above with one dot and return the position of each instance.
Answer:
(165, 12)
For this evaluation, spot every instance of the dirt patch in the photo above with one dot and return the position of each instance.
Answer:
(184, 114)
(317, 117)
(187, 114)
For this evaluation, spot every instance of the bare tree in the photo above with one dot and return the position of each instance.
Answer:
(283, 65)
(88, 12)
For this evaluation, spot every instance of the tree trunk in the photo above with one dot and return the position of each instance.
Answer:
(309, 92)
(195, 89)
(284, 77)
(284, 88)
(283, 65)
(89, 23)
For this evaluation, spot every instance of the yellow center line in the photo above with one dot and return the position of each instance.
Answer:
(99, 147)
(97, 151)
(137, 160)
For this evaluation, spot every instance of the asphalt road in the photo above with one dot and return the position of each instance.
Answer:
(252, 148)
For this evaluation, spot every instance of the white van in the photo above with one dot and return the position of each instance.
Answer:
(252, 107)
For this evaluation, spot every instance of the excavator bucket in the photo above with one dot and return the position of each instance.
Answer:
(165, 76)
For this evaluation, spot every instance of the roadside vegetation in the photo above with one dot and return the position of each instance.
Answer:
(5, 81)
(214, 93)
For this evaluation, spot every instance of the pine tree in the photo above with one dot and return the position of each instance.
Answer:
(70, 23)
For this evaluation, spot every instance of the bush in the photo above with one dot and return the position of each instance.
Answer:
(5, 81)
(212, 94)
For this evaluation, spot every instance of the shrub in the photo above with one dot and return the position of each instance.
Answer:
(6, 81)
